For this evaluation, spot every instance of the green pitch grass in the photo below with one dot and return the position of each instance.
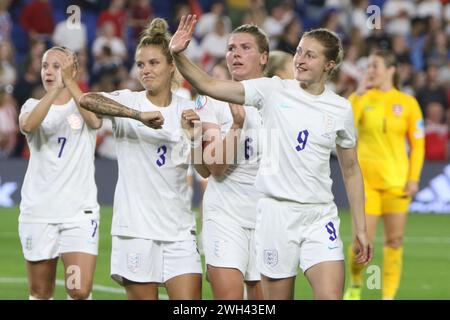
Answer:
(426, 273)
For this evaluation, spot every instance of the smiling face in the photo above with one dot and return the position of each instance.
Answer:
(244, 60)
(155, 72)
(310, 63)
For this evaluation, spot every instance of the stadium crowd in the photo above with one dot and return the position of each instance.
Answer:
(104, 35)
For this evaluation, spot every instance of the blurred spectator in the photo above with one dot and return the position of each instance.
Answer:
(115, 14)
(256, 13)
(432, 91)
(207, 21)
(426, 8)
(220, 71)
(400, 49)
(350, 68)
(108, 50)
(378, 39)
(82, 72)
(331, 21)
(37, 19)
(106, 145)
(8, 122)
(437, 52)
(436, 133)
(290, 37)
(281, 14)
(398, 14)
(280, 64)
(214, 45)
(416, 42)
(28, 81)
(5, 21)
(8, 72)
(141, 13)
(358, 17)
(73, 37)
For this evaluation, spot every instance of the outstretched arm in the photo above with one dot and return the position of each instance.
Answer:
(354, 185)
(225, 90)
(104, 106)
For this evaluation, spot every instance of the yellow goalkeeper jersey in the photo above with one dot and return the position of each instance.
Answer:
(391, 145)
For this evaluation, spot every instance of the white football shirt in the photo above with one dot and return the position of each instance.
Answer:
(307, 128)
(151, 197)
(59, 184)
(234, 193)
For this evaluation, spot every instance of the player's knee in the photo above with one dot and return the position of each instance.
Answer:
(41, 292)
(79, 294)
(329, 295)
(394, 242)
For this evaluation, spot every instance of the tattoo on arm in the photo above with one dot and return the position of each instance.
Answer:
(102, 105)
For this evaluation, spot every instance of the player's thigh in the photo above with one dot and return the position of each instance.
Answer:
(226, 283)
(278, 289)
(186, 286)
(140, 290)
(327, 280)
(40, 246)
(41, 278)
(182, 269)
(79, 270)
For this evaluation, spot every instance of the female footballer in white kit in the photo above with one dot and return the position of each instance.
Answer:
(298, 224)
(59, 213)
(230, 199)
(153, 228)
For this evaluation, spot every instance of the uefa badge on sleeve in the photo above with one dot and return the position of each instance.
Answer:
(200, 102)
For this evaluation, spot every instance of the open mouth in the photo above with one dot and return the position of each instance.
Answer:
(237, 64)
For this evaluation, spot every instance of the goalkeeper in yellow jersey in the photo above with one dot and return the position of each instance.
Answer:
(391, 154)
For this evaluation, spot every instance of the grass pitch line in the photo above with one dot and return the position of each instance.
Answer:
(59, 282)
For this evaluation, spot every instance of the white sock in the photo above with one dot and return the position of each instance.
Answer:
(30, 297)
(88, 298)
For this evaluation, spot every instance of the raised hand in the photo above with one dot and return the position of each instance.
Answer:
(238, 113)
(66, 62)
(190, 122)
(180, 40)
(152, 119)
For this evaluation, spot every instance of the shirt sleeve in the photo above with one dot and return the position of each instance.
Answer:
(204, 106)
(416, 136)
(257, 91)
(27, 107)
(346, 137)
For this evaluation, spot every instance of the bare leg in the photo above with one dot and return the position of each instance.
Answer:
(79, 273)
(41, 278)
(278, 289)
(327, 280)
(141, 291)
(226, 283)
(185, 287)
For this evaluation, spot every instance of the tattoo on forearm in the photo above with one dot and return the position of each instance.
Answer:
(102, 105)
